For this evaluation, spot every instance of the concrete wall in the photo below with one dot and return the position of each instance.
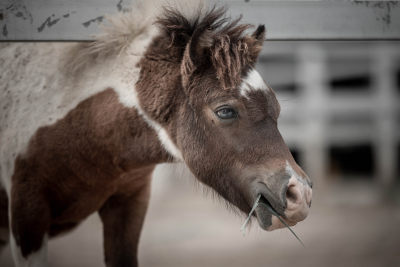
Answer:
(285, 20)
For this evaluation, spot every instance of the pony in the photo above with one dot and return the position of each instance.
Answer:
(83, 125)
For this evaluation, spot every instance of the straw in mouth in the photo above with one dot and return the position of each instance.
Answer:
(243, 228)
(271, 209)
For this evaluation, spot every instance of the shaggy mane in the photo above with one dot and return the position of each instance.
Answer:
(180, 27)
(222, 40)
(117, 35)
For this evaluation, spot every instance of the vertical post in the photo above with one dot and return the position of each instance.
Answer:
(383, 65)
(311, 77)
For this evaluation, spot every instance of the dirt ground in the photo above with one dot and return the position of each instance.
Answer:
(350, 224)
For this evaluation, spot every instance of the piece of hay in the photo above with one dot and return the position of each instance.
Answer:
(273, 212)
(243, 228)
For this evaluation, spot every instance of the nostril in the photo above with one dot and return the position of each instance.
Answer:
(292, 195)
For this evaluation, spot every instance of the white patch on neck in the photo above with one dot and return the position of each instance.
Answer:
(35, 259)
(129, 98)
(252, 82)
(34, 92)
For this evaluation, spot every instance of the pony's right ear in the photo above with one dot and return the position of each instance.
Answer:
(258, 40)
(259, 34)
(195, 53)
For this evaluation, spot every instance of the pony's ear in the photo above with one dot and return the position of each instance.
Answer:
(259, 34)
(195, 53)
(259, 37)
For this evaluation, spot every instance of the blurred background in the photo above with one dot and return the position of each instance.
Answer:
(341, 119)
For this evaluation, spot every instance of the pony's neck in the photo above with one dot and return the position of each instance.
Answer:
(139, 142)
(119, 133)
(159, 92)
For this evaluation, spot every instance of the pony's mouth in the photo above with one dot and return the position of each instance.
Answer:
(269, 218)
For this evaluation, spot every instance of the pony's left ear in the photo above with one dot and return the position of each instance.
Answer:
(195, 53)
(259, 37)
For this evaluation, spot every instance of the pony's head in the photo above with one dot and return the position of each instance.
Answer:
(220, 114)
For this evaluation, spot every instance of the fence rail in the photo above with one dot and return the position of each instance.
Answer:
(66, 20)
(316, 118)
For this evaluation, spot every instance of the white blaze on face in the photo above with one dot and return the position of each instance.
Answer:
(252, 82)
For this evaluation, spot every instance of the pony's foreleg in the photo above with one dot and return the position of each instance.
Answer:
(30, 220)
(37, 258)
(4, 229)
(122, 216)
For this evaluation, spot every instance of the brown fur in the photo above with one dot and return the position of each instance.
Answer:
(180, 83)
(100, 156)
(74, 166)
(210, 37)
(3, 219)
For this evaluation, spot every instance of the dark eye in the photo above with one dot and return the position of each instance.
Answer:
(226, 113)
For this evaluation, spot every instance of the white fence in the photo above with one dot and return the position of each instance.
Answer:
(308, 115)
